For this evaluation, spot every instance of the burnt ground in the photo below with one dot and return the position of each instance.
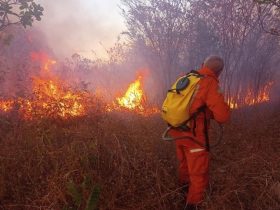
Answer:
(118, 162)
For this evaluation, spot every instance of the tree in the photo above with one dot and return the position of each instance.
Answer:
(270, 12)
(272, 2)
(159, 29)
(232, 29)
(16, 64)
(19, 12)
(182, 33)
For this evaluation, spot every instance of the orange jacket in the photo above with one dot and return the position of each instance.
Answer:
(193, 162)
(209, 94)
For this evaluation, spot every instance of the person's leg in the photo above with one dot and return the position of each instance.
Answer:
(198, 167)
(183, 164)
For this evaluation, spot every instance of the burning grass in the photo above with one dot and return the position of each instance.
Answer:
(52, 97)
(251, 97)
(62, 148)
(133, 100)
(6, 105)
(57, 163)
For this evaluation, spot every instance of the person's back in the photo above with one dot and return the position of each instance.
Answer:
(193, 157)
(209, 95)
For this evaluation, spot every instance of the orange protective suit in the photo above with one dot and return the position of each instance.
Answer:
(193, 158)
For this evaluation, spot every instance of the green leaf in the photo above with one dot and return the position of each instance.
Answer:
(93, 199)
(75, 193)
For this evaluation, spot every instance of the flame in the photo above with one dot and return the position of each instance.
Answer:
(6, 105)
(134, 99)
(134, 96)
(44, 60)
(51, 96)
(251, 98)
(232, 104)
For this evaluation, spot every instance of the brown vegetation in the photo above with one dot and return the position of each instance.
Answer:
(121, 162)
(117, 160)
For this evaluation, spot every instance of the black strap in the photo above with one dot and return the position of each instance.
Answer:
(207, 144)
(195, 72)
(194, 115)
(194, 126)
(205, 129)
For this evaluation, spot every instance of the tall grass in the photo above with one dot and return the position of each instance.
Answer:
(118, 162)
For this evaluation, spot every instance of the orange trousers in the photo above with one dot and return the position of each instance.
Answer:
(193, 166)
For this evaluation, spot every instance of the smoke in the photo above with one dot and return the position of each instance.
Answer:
(84, 27)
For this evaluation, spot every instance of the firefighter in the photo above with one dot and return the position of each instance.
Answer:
(194, 158)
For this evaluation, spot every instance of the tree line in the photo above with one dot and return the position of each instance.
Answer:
(176, 35)
(172, 37)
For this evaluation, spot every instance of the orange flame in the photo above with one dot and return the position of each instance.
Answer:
(251, 98)
(134, 100)
(44, 59)
(134, 96)
(6, 105)
(51, 96)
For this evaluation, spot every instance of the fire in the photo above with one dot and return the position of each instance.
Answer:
(53, 97)
(50, 95)
(134, 99)
(134, 96)
(6, 105)
(44, 59)
(231, 103)
(251, 98)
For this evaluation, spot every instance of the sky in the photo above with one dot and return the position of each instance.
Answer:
(81, 26)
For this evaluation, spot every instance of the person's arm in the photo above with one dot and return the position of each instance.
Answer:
(216, 103)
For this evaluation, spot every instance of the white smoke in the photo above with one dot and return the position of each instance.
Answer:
(80, 26)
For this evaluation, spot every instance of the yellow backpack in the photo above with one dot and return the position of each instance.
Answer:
(176, 106)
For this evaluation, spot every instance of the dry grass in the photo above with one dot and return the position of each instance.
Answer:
(125, 158)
